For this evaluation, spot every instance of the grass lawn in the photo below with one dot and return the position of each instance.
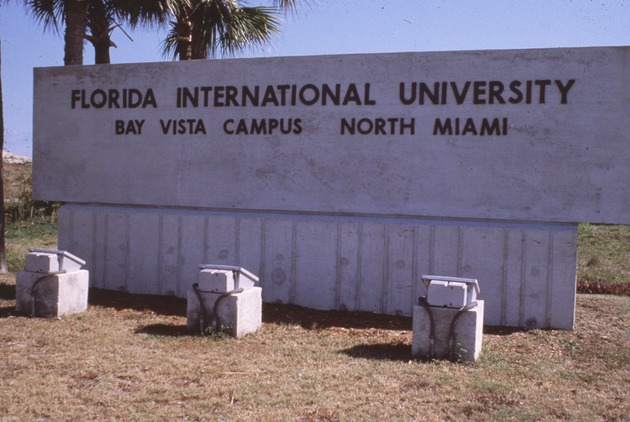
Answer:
(129, 357)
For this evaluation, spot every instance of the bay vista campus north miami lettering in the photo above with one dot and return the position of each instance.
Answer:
(437, 93)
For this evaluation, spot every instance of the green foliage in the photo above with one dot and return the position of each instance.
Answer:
(604, 259)
(24, 207)
(23, 235)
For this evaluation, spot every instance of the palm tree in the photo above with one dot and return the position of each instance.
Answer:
(76, 20)
(74, 14)
(98, 16)
(198, 27)
(204, 27)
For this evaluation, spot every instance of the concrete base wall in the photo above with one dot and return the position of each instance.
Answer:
(526, 271)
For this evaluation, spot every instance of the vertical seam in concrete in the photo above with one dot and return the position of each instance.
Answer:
(127, 249)
(431, 249)
(263, 241)
(206, 258)
(521, 302)
(160, 274)
(179, 256)
(460, 250)
(70, 225)
(550, 263)
(385, 275)
(359, 272)
(338, 268)
(237, 240)
(294, 281)
(505, 275)
(414, 267)
(94, 243)
(105, 250)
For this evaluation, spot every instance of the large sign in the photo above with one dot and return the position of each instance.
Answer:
(530, 135)
(340, 180)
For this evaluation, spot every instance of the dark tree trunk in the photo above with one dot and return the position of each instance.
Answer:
(199, 52)
(101, 51)
(184, 37)
(76, 14)
(3, 255)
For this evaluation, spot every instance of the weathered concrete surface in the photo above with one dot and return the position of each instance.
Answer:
(560, 156)
(526, 272)
(54, 295)
(468, 333)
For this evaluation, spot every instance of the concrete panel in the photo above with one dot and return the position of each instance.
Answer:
(222, 240)
(446, 249)
(192, 247)
(478, 244)
(315, 275)
(348, 276)
(400, 269)
(117, 252)
(423, 258)
(144, 249)
(526, 271)
(511, 304)
(100, 233)
(372, 267)
(278, 270)
(249, 251)
(522, 135)
(561, 303)
(537, 278)
(170, 249)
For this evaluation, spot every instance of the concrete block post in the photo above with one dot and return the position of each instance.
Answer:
(52, 284)
(467, 333)
(238, 314)
(51, 295)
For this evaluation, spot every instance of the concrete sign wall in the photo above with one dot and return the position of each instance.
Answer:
(341, 179)
(538, 135)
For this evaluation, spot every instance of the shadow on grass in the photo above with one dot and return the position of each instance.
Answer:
(7, 291)
(7, 311)
(311, 319)
(164, 330)
(502, 331)
(161, 305)
(385, 351)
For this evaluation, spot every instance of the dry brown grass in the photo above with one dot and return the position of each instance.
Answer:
(130, 358)
(17, 179)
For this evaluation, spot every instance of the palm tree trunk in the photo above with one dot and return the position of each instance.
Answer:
(198, 50)
(3, 255)
(76, 13)
(101, 52)
(184, 37)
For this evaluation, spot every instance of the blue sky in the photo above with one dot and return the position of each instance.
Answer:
(334, 27)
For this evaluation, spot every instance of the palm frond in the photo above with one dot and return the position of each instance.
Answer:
(249, 27)
(222, 26)
(148, 13)
(49, 13)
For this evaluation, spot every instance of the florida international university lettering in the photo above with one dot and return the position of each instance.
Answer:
(347, 102)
